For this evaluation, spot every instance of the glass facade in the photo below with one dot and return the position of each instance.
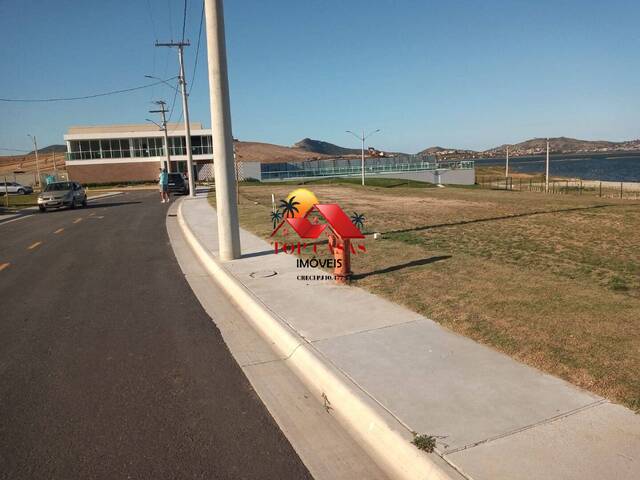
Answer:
(137, 147)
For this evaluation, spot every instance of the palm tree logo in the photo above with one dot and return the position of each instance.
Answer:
(358, 220)
(289, 207)
(276, 216)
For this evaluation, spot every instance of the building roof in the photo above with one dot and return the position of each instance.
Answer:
(139, 127)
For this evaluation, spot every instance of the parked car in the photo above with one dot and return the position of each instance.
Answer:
(178, 183)
(13, 187)
(62, 194)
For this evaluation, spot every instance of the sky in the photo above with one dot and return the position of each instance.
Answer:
(463, 74)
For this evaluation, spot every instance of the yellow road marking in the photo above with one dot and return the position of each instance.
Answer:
(31, 247)
(3, 266)
(60, 230)
(77, 220)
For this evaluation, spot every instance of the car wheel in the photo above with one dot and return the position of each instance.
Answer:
(21, 191)
(42, 208)
(84, 202)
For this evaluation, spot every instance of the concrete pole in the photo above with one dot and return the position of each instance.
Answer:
(363, 138)
(187, 126)
(166, 139)
(506, 168)
(546, 176)
(228, 228)
(35, 148)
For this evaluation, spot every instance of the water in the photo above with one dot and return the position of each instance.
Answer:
(611, 167)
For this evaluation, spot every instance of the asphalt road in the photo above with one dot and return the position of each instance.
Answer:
(109, 367)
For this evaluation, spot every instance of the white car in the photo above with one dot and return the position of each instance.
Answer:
(13, 187)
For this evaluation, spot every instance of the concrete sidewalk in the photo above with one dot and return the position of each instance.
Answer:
(494, 418)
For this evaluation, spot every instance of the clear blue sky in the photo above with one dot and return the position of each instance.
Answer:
(466, 74)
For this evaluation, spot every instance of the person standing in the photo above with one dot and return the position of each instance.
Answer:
(163, 183)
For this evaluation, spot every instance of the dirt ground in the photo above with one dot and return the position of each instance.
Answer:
(552, 280)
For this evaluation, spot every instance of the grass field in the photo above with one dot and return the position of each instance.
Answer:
(553, 281)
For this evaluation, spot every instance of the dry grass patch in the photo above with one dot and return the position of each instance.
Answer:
(553, 281)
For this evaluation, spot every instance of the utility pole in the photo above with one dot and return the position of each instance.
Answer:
(223, 164)
(506, 168)
(162, 111)
(362, 138)
(55, 167)
(35, 148)
(546, 176)
(185, 108)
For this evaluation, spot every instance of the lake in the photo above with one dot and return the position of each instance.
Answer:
(612, 167)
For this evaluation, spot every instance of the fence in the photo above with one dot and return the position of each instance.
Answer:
(602, 189)
(353, 167)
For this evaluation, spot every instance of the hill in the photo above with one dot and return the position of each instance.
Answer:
(50, 149)
(448, 152)
(324, 148)
(270, 153)
(537, 146)
(27, 162)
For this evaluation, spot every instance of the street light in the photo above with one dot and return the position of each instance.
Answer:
(35, 147)
(363, 138)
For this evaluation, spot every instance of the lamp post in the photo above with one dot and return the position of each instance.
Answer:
(546, 175)
(506, 168)
(363, 138)
(35, 148)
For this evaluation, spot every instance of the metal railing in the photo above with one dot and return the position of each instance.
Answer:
(292, 170)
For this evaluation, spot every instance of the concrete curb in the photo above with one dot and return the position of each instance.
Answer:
(376, 430)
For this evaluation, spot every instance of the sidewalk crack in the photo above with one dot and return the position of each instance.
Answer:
(529, 427)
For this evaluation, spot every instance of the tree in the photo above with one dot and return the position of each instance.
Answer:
(276, 216)
(289, 207)
(358, 220)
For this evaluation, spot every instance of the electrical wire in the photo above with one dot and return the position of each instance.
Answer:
(84, 97)
(13, 150)
(195, 65)
(184, 19)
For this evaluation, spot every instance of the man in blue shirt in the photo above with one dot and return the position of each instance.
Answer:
(163, 182)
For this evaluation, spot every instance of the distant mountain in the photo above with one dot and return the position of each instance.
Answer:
(445, 151)
(324, 148)
(270, 153)
(537, 146)
(51, 149)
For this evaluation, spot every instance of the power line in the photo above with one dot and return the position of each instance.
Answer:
(170, 17)
(14, 150)
(153, 23)
(184, 19)
(173, 102)
(85, 97)
(195, 65)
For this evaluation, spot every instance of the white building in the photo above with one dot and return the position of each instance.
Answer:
(121, 153)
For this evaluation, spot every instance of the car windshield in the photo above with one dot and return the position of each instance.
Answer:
(175, 176)
(58, 186)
